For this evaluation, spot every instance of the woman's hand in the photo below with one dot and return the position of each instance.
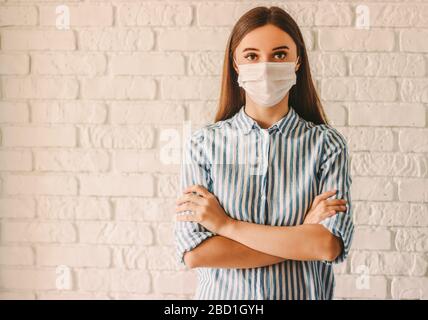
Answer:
(322, 208)
(206, 210)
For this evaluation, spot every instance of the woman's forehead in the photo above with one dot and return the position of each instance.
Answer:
(266, 38)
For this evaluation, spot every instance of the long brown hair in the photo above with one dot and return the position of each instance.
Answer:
(302, 96)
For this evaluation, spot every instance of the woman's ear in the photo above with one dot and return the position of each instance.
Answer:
(235, 66)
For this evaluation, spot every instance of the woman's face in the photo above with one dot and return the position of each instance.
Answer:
(266, 44)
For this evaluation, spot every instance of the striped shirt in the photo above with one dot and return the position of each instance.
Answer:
(271, 177)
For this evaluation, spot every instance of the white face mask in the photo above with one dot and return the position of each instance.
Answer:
(267, 83)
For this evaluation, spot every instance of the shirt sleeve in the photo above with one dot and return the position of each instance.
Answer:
(334, 174)
(195, 169)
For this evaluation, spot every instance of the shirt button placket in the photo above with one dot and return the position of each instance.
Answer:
(265, 151)
(266, 137)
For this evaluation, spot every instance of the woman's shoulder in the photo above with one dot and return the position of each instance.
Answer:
(208, 130)
(332, 137)
(325, 130)
(327, 134)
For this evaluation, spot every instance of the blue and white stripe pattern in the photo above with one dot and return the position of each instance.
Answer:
(267, 176)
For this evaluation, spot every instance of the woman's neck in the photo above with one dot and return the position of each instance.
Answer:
(266, 116)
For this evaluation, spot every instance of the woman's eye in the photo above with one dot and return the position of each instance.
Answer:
(281, 54)
(277, 55)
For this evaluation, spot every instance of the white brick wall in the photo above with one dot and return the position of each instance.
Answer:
(86, 114)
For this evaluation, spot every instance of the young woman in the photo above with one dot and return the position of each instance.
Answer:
(265, 209)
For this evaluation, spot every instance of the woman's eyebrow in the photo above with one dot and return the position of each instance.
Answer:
(255, 49)
(281, 47)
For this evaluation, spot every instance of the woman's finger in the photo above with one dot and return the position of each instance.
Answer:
(187, 206)
(337, 208)
(323, 196)
(336, 202)
(331, 212)
(189, 197)
(201, 190)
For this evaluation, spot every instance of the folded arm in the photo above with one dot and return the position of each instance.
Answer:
(222, 252)
(302, 242)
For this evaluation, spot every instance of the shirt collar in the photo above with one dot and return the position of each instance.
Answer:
(245, 123)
